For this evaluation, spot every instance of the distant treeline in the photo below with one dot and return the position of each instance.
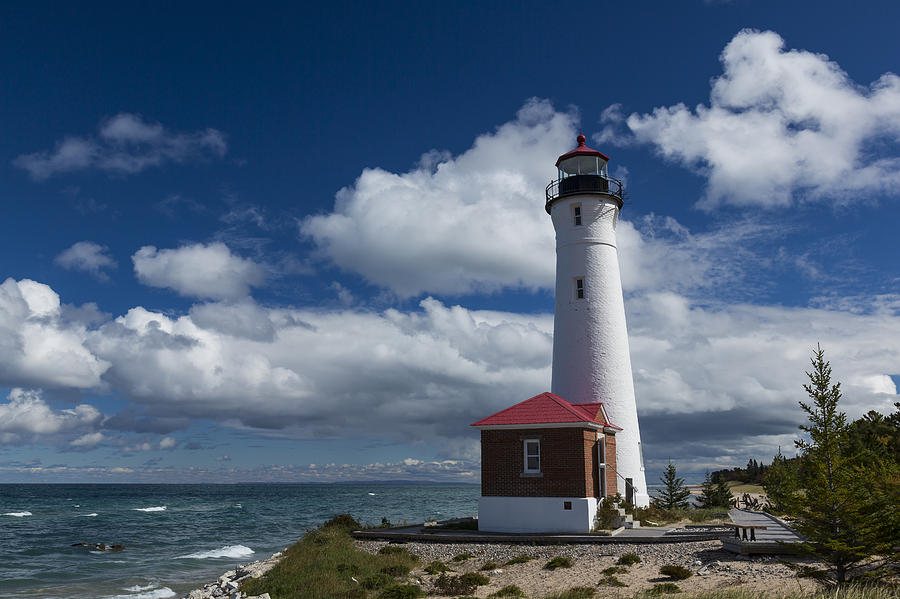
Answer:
(873, 433)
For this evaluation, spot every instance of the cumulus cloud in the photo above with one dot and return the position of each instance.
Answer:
(88, 440)
(781, 125)
(454, 225)
(124, 144)
(198, 270)
(87, 256)
(26, 413)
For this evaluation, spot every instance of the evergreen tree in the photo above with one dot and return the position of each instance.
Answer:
(674, 494)
(780, 483)
(715, 493)
(844, 510)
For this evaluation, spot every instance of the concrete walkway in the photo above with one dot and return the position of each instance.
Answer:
(776, 538)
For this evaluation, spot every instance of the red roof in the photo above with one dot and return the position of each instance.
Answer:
(548, 408)
(582, 150)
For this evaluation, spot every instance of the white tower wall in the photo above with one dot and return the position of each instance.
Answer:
(591, 359)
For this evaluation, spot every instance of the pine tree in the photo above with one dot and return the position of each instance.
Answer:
(841, 506)
(715, 493)
(780, 484)
(674, 494)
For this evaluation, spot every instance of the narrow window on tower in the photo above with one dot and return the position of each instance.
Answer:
(576, 214)
(579, 287)
(532, 455)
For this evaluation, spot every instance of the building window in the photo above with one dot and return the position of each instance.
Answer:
(601, 465)
(567, 505)
(576, 214)
(532, 455)
(579, 287)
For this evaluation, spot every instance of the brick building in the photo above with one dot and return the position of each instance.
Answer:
(545, 462)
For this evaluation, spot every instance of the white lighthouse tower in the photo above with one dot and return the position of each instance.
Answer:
(591, 361)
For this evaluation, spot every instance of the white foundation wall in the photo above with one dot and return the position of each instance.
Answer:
(591, 358)
(536, 514)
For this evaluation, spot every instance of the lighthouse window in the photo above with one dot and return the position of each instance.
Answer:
(532, 455)
(579, 288)
(576, 213)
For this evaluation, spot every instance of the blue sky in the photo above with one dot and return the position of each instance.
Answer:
(308, 244)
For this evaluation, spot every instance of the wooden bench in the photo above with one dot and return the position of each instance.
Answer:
(745, 527)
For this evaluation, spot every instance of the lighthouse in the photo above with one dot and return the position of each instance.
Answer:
(591, 360)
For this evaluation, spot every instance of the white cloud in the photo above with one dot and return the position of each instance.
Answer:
(780, 126)
(86, 256)
(88, 440)
(166, 443)
(26, 413)
(455, 225)
(198, 270)
(124, 144)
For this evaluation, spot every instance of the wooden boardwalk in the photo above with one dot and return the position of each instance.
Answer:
(774, 539)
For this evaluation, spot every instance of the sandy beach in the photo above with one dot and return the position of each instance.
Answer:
(713, 567)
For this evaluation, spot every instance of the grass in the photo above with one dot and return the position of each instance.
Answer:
(664, 588)
(519, 559)
(739, 487)
(461, 557)
(321, 564)
(401, 591)
(464, 584)
(489, 566)
(559, 561)
(629, 559)
(676, 572)
(509, 590)
(848, 592)
(610, 580)
(613, 570)
(574, 593)
(436, 567)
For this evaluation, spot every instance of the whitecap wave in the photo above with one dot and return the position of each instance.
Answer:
(91, 515)
(138, 588)
(162, 593)
(156, 508)
(371, 493)
(227, 551)
(18, 514)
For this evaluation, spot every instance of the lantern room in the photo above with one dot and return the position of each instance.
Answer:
(583, 171)
(582, 161)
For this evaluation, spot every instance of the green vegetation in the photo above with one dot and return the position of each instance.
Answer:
(613, 570)
(715, 493)
(396, 569)
(509, 590)
(401, 591)
(464, 584)
(676, 572)
(664, 588)
(560, 561)
(610, 580)
(436, 567)
(607, 514)
(321, 564)
(629, 559)
(519, 559)
(489, 566)
(842, 494)
(674, 494)
(843, 592)
(461, 557)
(574, 593)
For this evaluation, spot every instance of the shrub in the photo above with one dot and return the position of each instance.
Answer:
(607, 514)
(436, 567)
(519, 559)
(676, 572)
(355, 593)
(345, 521)
(475, 578)
(459, 585)
(401, 591)
(461, 557)
(611, 581)
(574, 593)
(489, 566)
(629, 559)
(613, 570)
(559, 561)
(376, 581)
(396, 570)
(347, 568)
(510, 590)
(664, 588)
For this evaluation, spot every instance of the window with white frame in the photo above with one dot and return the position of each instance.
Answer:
(576, 214)
(601, 464)
(532, 455)
(579, 287)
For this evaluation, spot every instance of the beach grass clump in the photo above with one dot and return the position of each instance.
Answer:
(489, 566)
(509, 590)
(324, 562)
(613, 570)
(400, 551)
(519, 559)
(464, 584)
(663, 588)
(849, 591)
(401, 591)
(610, 580)
(676, 572)
(629, 559)
(560, 561)
(698, 515)
(461, 557)
(436, 567)
(573, 593)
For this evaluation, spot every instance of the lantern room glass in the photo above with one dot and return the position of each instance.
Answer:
(582, 165)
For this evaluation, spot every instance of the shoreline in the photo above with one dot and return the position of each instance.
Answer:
(227, 584)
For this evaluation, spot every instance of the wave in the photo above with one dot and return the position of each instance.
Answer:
(18, 514)
(147, 593)
(156, 508)
(227, 551)
(91, 515)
